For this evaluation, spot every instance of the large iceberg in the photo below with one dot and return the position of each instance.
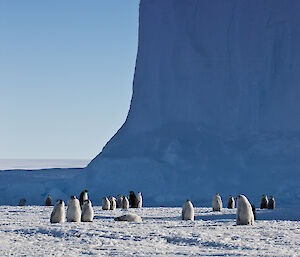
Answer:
(215, 105)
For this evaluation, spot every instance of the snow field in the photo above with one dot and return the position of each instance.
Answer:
(27, 231)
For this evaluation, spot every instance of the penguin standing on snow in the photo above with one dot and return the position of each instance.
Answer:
(244, 215)
(217, 203)
(73, 210)
(83, 197)
(105, 204)
(188, 211)
(271, 203)
(133, 201)
(119, 201)
(113, 204)
(48, 201)
(87, 214)
(231, 202)
(22, 202)
(139, 200)
(264, 202)
(58, 214)
(125, 203)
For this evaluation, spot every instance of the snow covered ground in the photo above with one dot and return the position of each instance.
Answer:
(27, 231)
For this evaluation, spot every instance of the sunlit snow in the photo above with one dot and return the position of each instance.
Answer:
(27, 231)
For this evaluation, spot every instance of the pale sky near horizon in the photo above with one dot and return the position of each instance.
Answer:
(66, 73)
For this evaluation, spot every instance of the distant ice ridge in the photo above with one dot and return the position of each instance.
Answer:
(13, 164)
(215, 106)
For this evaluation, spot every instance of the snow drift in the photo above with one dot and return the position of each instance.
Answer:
(215, 105)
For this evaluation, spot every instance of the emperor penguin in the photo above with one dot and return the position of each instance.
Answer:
(22, 202)
(87, 214)
(264, 202)
(73, 210)
(83, 197)
(113, 203)
(119, 201)
(139, 200)
(105, 204)
(271, 203)
(188, 211)
(133, 201)
(231, 202)
(58, 214)
(129, 217)
(48, 201)
(217, 203)
(125, 203)
(244, 215)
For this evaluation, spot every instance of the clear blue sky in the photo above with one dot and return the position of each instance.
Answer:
(66, 72)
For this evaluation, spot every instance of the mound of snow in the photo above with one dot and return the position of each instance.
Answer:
(129, 217)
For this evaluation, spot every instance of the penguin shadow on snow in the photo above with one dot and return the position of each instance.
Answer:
(221, 216)
(16, 211)
(261, 215)
(278, 214)
(162, 218)
(98, 217)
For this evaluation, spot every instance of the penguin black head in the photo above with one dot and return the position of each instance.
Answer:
(73, 197)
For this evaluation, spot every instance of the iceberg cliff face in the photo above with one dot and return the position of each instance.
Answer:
(215, 106)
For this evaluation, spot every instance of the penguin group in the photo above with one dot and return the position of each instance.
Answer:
(82, 210)
(245, 215)
(133, 201)
(77, 210)
(267, 204)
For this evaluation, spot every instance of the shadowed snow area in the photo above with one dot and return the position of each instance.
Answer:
(27, 231)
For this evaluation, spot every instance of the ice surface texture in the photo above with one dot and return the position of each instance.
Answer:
(215, 106)
(26, 231)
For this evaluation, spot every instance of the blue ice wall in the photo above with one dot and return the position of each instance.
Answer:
(215, 105)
